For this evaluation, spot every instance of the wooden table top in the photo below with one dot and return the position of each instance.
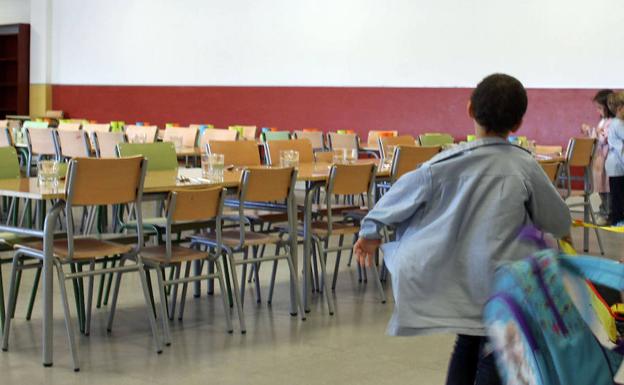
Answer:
(164, 181)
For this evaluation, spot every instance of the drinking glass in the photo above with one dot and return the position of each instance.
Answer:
(212, 167)
(48, 173)
(388, 155)
(350, 155)
(289, 158)
(177, 142)
(339, 155)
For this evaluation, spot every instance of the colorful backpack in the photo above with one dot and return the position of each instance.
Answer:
(542, 321)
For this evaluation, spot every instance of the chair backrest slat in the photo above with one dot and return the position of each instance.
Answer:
(104, 181)
(385, 141)
(551, 169)
(265, 184)
(72, 144)
(374, 135)
(196, 204)
(69, 126)
(350, 179)
(435, 139)
(6, 140)
(160, 155)
(106, 143)
(275, 135)
(408, 158)
(9, 163)
(237, 153)
(217, 134)
(347, 141)
(580, 152)
(302, 146)
(41, 141)
(133, 133)
(315, 138)
(188, 135)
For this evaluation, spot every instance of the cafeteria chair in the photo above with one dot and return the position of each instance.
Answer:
(580, 155)
(254, 189)
(105, 143)
(54, 114)
(240, 153)
(92, 182)
(385, 142)
(274, 135)
(186, 205)
(302, 146)
(141, 134)
(548, 150)
(346, 180)
(245, 132)
(324, 156)
(40, 145)
(348, 141)
(316, 138)
(435, 139)
(9, 170)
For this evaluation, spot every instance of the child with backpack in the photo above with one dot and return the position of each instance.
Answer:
(457, 218)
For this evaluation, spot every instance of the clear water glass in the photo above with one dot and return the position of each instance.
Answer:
(48, 173)
(350, 155)
(289, 158)
(139, 138)
(212, 167)
(339, 155)
(177, 141)
(388, 155)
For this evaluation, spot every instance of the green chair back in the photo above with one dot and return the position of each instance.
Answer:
(9, 163)
(33, 124)
(275, 135)
(435, 139)
(160, 155)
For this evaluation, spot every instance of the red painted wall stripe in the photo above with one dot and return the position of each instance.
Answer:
(554, 115)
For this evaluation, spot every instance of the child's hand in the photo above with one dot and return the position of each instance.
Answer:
(585, 128)
(365, 250)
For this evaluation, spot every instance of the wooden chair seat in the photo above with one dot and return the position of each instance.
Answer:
(320, 228)
(84, 248)
(178, 254)
(232, 238)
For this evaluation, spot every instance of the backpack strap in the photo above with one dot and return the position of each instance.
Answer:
(602, 271)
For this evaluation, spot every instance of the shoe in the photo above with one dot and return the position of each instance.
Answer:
(601, 221)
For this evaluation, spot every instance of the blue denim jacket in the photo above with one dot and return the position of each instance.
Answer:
(457, 218)
(614, 165)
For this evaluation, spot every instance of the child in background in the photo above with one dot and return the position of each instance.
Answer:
(615, 158)
(600, 133)
(457, 218)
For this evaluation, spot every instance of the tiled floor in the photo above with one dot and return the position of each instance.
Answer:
(349, 348)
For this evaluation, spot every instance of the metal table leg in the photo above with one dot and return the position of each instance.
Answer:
(48, 278)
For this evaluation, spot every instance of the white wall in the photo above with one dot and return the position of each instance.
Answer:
(404, 43)
(14, 11)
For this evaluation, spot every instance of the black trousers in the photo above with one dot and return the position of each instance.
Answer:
(616, 187)
(469, 365)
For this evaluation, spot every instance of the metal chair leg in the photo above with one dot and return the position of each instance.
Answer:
(11, 304)
(73, 348)
(322, 259)
(111, 314)
(273, 274)
(380, 288)
(598, 237)
(237, 299)
(174, 293)
(187, 273)
(256, 270)
(149, 308)
(89, 299)
(33, 294)
(295, 283)
(164, 319)
(226, 308)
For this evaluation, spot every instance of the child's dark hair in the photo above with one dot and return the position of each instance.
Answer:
(601, 98)
(499, 103)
